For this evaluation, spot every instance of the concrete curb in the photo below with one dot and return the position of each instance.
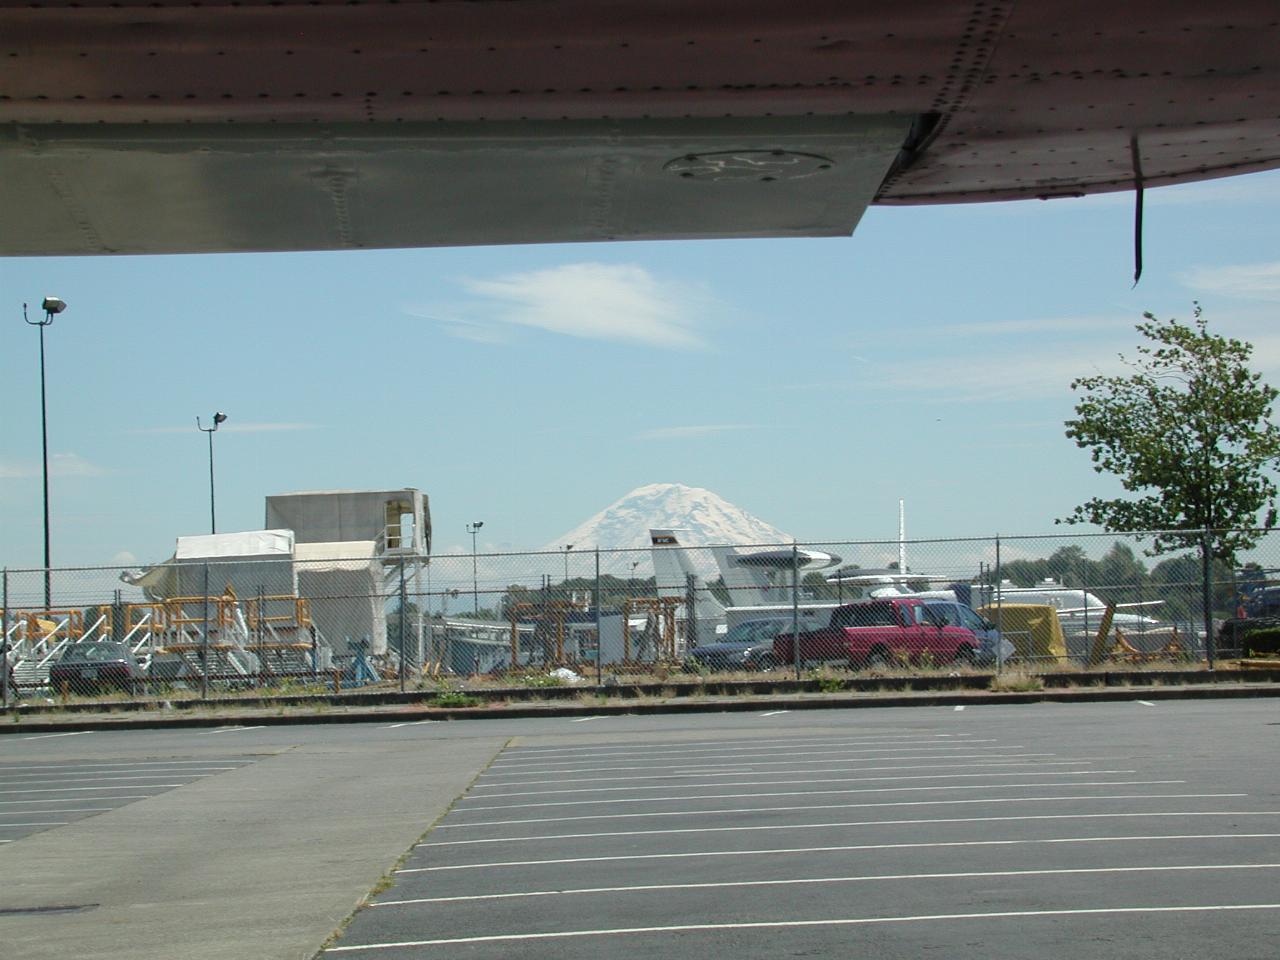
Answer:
(154, 720)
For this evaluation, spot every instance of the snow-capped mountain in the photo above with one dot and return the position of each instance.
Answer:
(702, 516)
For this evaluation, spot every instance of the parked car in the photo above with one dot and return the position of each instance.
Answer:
(746, 646)
(872, 632)
(962, 615)
(93, 665)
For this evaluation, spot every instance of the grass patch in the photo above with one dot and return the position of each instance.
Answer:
(1016, 681)
(538, 680)
(828, 682)
(455, 698)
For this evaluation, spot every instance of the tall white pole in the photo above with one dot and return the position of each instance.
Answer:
(902, 535)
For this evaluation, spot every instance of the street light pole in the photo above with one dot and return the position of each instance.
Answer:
(51, 306)
(567, 548)
(217, 419)
(473, 528)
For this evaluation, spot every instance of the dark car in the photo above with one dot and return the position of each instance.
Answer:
(962, 615)
(747, 646)
(95, 665)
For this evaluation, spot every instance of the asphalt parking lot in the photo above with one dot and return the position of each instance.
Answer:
(39, 795)
(960, 834)
(1121, 830)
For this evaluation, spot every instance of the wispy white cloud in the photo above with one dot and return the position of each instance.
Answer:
(60, 465)
(476, 332)
(688, 432)
(230, 427)
(1025, 373)
(594, 301)
(1251, 281)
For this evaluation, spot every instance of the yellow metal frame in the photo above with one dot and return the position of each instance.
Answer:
(556, 611)
(661, 608)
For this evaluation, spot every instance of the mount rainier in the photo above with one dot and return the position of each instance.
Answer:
(702, 516)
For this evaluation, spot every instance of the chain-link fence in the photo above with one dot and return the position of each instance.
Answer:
(196, 626)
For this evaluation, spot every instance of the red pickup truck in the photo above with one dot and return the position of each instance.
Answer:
(879, 632)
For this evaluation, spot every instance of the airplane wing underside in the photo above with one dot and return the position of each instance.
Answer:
(166, 126)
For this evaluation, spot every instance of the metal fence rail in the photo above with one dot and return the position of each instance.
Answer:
(196, 627)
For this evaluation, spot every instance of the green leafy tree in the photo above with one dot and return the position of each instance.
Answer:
(815, 588)
(1188, 432)
(1121, 576)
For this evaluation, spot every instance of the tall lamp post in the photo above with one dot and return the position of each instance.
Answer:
(567, 548)
(473, 529)
(217, 419)
(51, 306)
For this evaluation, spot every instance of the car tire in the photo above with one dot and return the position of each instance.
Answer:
(878, 657)
(965, 655)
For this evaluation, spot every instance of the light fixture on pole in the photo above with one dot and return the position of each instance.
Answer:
(217, 419)
(473, 528)
(51, 306)
(567, 548)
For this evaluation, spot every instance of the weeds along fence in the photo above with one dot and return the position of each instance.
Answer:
(195, 626)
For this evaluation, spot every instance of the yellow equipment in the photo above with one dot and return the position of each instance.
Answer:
(1032, 628)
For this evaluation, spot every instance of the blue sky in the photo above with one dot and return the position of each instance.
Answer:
(811, 382)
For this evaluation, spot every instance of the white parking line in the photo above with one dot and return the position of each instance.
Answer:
(774, 713)
(825, 806)
(733, 754)
(789, 793)
(907, 753)
(790, 781)
(585, 719)
(63, 778)
(742, 770)
(91, 765)
(1146, 703)
(842, 849)
(784, 924)
(132, 786)
(46, 823)
(44, 800)
(47, 736)
(958, 709)
(969, 875)
(23, 813)
(795, 792)
(407, 723)
(526, 753)
(519, 760)
(209, 733)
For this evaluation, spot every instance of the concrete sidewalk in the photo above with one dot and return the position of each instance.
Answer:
(259, 863)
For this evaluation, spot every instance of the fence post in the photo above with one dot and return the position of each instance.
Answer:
(1206, 600)
(204, 640)
(691, 607)
(4, 644)
(255, 635)
(999, 598)
(599, 638)
(795, 607)
(401, 628)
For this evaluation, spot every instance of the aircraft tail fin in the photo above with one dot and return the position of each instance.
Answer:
(747, 586)
(672, 569)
